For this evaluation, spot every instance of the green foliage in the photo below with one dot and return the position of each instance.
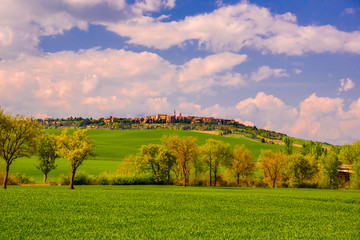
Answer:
(300, 168)
(23, 179)
(171, 212)
(47, 153)
(215, 153)
(132, 180)
(312, 148)
(17, 139)
(156, 160)
(273, 166)
(81, 178)
(350, 154)
(242, 163)
(330, 164)
(289, 148)
(185, 151)
(76, 148)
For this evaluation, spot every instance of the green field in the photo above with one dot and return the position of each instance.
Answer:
(112, 146)
(172, 212)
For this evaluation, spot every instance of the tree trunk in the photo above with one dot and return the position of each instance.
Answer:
(238, 179)
(45, 177)
(184, 177)
(168, 177)
(6, 176)
(210, 173)
(210, 177)
(71, 186)
(274, 183)
(215, 175)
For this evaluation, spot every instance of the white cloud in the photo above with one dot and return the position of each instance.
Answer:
(202, 73)
(97, 82)
(90, 82)
(349, 11)
(265, 72)
(153, 5)
(23, 22)
(297, 71)
(233, 27)
(346, 85)
(316, 118)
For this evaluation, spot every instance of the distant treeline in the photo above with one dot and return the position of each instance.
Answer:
(183, 161)
(224, 127)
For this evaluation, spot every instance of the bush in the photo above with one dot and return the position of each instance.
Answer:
(52, 182)
(22, 178)
(12, 180)
(103, 179)
(131, 180)
(81, 178)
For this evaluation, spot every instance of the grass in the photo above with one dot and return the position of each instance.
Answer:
(112, 146)
(172, 212)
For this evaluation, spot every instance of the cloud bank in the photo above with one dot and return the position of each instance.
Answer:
(234, 27)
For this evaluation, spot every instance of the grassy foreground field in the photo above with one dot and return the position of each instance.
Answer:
(112, 146)
(171, 212)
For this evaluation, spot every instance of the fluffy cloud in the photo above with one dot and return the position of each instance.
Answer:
(84, 83)
(265, 72)
(349, 11)
(346, 84)
(316, 118)
(297, 71)
(23, 23)
(203, 73)
(231, 28)
(100, 82)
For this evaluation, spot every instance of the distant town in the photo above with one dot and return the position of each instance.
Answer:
(163, 121)
(153, 119)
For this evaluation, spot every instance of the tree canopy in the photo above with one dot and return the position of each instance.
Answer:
(76, 148)
(17, 139)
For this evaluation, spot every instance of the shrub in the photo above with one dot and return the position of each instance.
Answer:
(12, 180)
(81, 178)
(131, 180)
(22, 178)
(52, 182)
(103, 179)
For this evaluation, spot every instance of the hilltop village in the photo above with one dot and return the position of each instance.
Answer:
(164, 121)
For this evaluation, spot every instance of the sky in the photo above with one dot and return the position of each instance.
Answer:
(286, 66)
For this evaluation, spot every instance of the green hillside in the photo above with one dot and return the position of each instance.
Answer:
(113, 145)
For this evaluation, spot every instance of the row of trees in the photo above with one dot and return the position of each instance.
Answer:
(183, 161)
(178, 158)
(23, 137)
(313, 163)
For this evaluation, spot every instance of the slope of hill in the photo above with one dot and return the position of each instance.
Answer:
(113, 146)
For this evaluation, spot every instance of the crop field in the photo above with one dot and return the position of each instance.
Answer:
(172, 212)
(112, 146)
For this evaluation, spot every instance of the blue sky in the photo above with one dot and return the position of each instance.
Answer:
(288, 66)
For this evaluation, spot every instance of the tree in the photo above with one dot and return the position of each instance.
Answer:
(185, 150)
(214, 153)
(330, 164)
(157, 160)
(350, 154)
(301, 168)
(166, 161)
(273, 166)
(288, 145)
(242, 163)
(47, 153)
(76, 148)
(312, 148)
(17, 139)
